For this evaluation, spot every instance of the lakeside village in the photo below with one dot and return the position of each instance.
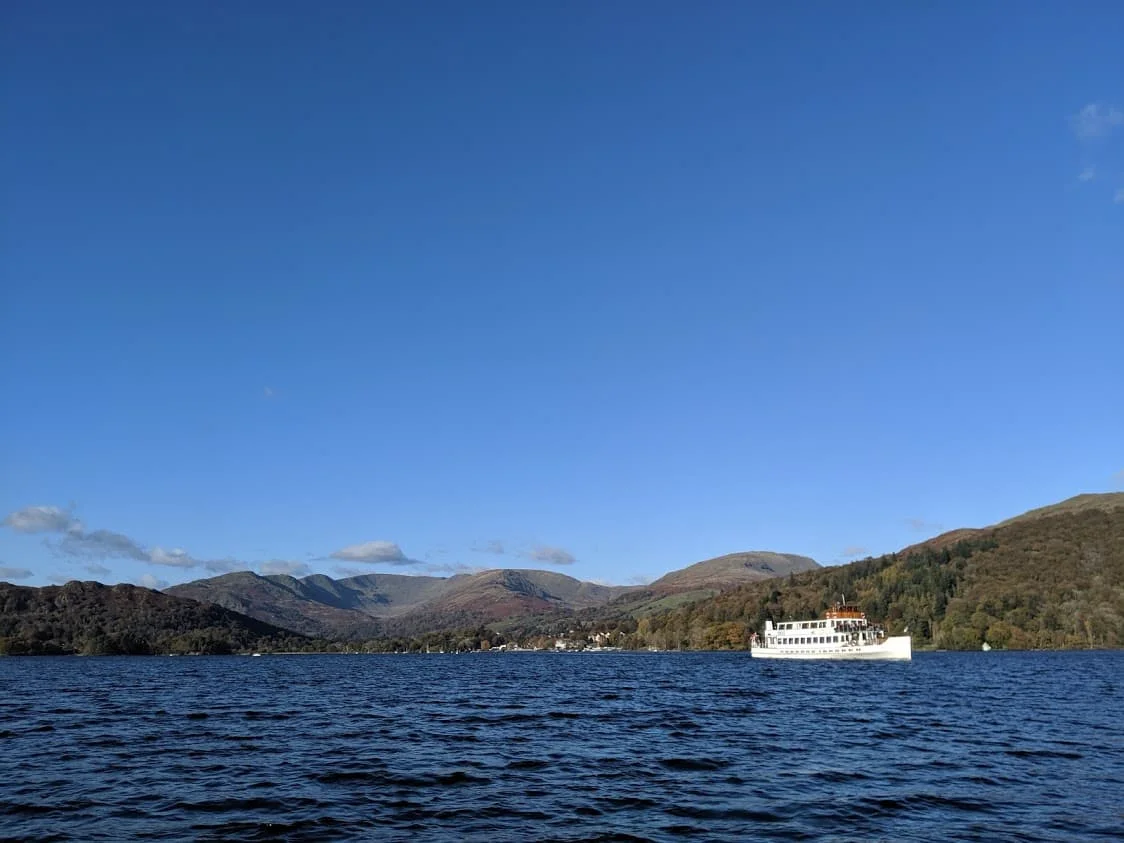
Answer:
(481, 641)
(588, 637)
(572, 642)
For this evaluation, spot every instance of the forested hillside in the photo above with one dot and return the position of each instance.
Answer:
(1049, 580)
(94, 619)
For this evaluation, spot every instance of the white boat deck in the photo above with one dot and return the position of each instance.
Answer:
(844, 633)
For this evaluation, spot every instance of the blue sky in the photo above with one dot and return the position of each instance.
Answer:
(608, 288)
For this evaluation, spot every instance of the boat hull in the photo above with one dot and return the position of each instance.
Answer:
(896, 648)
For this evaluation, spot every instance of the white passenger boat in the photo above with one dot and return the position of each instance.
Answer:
(843, 633)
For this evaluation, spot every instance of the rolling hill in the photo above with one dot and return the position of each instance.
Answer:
(733, 569)
(1052, 578)
(310, 606)
(371, 605)
(96, 619)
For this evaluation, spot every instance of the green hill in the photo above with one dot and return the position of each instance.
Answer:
(95, 619)
(312, 606)
(1052, 578)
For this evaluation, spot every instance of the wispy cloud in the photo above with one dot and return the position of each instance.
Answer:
(1096, 120)
(40, 519)
(492, 546)
(853, 550)
(549, 555)
(920, 525)
(374, 553)
(149, 581)
(79, 543)
(97, 570)
(224, 566)
(281, 566)
(1099, 127)
(10, 574)
(177, 557)
(451, 568)
(101, 544)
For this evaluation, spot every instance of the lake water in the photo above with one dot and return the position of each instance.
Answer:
(491, 747)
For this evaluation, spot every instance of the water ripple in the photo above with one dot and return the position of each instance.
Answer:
(497, 748)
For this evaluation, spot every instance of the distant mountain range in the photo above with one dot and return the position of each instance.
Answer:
(370, 605)
(1052, 578)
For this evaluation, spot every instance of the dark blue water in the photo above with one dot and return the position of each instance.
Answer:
(996, 746)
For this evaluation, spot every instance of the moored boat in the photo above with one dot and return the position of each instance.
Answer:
(844, 632)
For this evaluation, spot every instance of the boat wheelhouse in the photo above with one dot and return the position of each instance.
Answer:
(842, 633)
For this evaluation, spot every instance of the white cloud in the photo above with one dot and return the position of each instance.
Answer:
(10, 574)
(550, 555)
(1096, 120)
(102, 544)
(374, 553)
(78, 542)
(149, 581)
(281, 566)
(40, 519)
(177, 557)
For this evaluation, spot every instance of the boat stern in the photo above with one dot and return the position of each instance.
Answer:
(898, 647)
